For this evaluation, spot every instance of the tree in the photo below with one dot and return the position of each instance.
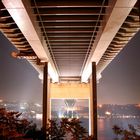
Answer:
(10, 124)
(132, 133)
(72, 127)
(12, 127)
(55, 131)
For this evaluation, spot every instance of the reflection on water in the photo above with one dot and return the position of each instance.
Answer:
(105, 127)
(101, 128)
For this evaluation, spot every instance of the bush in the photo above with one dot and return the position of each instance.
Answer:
(10, 124)
(71, 127)
(12, 127)
(133, 133)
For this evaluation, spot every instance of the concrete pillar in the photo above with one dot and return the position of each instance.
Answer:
(45, 95)
(94, 97)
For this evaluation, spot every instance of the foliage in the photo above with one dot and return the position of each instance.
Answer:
(71, 127)
(10, 124)
(132, 133)
(74, 127)
(54, 131)
(60, 130)
(12, 127)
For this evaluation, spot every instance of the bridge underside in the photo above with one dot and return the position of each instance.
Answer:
(70, 38)
(69, 34)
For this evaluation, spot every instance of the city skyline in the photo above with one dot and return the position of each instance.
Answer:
(119, 83)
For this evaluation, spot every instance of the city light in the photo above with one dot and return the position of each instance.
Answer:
(60, 115)
(108, 113)
(32, 111)
(100, 106)
(39, 116)
(38, 105)
(138, 105)
(70, 108)
(22, 107)
(1, 100)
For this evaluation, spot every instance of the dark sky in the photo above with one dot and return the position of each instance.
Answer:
(120, 82)
(18, 79)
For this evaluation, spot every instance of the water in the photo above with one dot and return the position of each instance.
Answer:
(105, 131)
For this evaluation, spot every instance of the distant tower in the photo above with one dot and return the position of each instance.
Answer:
(70, 108)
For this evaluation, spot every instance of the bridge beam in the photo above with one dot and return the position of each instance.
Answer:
(107, 33)
(21, 13)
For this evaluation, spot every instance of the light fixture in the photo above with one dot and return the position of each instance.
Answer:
(86, 73)
(52, 73)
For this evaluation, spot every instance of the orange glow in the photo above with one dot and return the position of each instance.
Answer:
(1, 100)
(138, 105)
(108, 113)
(100, 106)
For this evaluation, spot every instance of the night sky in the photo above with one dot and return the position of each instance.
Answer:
(18, 79)
(120, 82)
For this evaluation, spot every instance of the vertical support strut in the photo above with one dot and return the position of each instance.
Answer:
(45, 93)
(94, 93)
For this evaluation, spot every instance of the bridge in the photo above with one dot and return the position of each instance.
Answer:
(69, 41)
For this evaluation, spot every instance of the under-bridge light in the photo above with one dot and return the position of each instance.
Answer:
(52, 73)
(86, 73)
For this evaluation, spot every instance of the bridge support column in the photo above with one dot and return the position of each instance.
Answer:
(45, 95)
(94, 98)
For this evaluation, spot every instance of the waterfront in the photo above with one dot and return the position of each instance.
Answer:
(105, 131)
(108, 115)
